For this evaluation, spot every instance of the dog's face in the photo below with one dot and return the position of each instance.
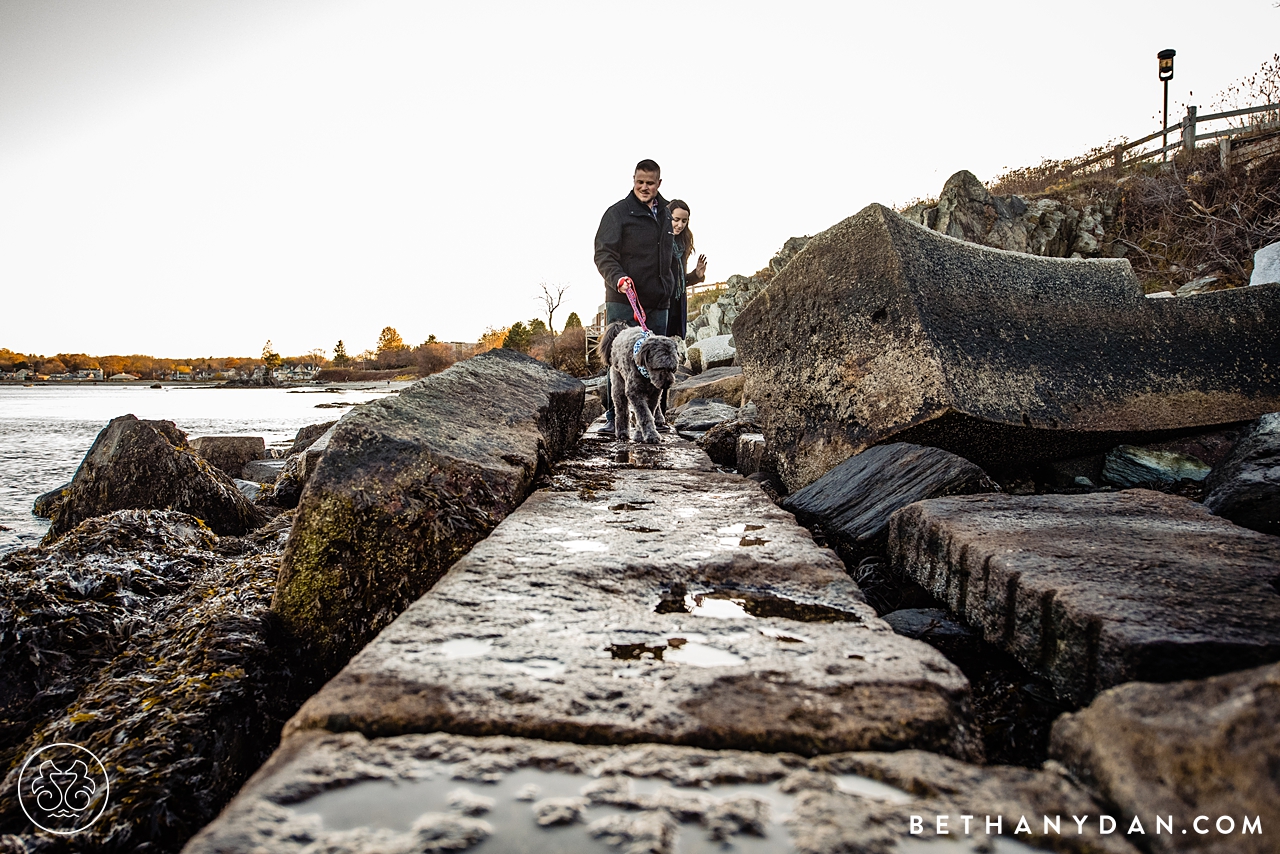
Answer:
(659, 356)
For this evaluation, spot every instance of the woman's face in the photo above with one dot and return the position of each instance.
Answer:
(679, 221)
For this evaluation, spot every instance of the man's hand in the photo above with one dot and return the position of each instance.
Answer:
(625, 284)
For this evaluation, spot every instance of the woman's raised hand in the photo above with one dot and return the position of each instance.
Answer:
(701, 269)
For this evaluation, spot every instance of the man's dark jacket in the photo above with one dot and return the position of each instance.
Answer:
(631, 242)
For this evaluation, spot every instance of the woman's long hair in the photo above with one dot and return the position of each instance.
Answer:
(685, 238)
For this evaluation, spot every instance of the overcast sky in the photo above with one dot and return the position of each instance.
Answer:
(186, 178)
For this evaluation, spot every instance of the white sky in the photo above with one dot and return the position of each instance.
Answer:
(189, 179)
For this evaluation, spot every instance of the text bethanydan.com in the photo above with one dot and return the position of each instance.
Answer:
(968, 825)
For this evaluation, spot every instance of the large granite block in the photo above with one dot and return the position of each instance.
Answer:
(1196, 748)
(406, 485)
(1094, 590)
(667, 603)
(345, 794)
(880, 329)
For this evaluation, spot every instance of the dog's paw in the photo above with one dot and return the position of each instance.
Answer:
(651, 438)
(622, 435)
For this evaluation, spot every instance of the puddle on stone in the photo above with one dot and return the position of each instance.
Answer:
(579, 546)
(676, 649)
(641, 529)
(465, 648)
(701, 655)
(635, 504)
(740, 528)
(738, 605)
(396, 805)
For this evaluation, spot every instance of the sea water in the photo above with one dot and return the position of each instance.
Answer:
(46, 429)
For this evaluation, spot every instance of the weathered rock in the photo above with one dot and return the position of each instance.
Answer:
(716, 384)
(139, 636)
(344, 794)
(1200, 748)
(721, 441)
(1197, 286)
(673, 604)
(1266, 265)
(1127, 466)
(229, 454)
(882, 330)
(853, 501)
(146, 465)
(1245, 487)
(45, 504)
(751, 453)
(1094, 590)
(306, 436)
(711, 352)
(696, 417)
(263, 471)
(408, 485)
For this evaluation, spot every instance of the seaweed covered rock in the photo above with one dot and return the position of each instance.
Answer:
(148, 640)
(45, 504)
(147, 465)
(881, 330)
(408, 485)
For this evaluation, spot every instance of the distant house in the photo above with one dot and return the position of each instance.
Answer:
(121, 378)
(16, 376)
(89, 374)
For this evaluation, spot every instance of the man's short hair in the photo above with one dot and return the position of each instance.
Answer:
(649, 166)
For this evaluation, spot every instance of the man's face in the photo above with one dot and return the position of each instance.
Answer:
(646, 186)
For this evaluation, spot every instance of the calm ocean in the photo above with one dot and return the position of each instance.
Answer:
(46, 430)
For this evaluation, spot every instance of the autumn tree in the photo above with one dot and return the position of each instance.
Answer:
(574, 322)
(340, 357)
(492, 338)
(389, 339)
(270, 357)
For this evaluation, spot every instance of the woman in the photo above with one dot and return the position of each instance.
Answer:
(678, 311)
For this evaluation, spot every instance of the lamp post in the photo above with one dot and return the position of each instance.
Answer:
(1166, 74)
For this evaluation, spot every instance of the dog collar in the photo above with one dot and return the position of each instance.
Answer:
(635, 355)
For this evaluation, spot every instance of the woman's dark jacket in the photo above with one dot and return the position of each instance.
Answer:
(631, 242)
(678, 309)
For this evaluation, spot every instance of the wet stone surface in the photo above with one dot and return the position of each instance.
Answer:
(415, 793)
(651, 599)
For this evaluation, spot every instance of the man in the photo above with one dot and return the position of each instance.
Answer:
(634, 252)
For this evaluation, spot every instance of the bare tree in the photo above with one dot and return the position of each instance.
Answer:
(552, 296)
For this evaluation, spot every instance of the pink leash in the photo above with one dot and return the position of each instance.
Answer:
(637, 310)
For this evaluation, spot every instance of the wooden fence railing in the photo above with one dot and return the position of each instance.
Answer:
(1188, 134)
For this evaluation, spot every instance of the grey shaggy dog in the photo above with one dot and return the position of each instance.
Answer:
(659, 356)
